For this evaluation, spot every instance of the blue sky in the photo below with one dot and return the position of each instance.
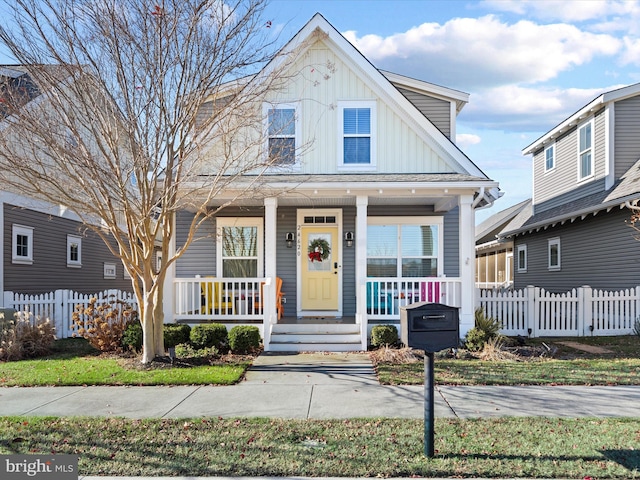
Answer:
(527, 65)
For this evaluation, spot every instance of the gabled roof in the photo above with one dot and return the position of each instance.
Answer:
(625, 190)
(488, 230)
(318, 25)
(591, 107)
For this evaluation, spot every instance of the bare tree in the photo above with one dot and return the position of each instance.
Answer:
(128, 98)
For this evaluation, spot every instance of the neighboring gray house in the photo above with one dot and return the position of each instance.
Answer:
(586, 173)
(45, 247)
(494, 255)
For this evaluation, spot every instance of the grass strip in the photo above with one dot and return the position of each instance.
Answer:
(545, 372)
(92, 370)
(506, 447)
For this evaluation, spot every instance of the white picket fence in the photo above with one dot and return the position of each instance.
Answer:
(534, 312)
(58, 306)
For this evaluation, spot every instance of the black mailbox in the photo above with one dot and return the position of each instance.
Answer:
(429, 326)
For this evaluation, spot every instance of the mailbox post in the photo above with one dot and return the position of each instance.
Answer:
(430, 327)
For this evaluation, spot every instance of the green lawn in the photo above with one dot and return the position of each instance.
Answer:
(510, 447)
(75, 363)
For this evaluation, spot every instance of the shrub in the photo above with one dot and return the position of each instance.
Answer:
(175, 334)
(244, 339)
(210, 335)
(382, 335)
(132, 337)
(185, 350)
(485, 329)
(21, 338)
(103, 323)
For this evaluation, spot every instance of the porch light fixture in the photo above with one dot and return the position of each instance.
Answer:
(290, 238)
(348, 237)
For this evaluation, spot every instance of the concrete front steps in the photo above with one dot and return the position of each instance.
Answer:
(315, 338)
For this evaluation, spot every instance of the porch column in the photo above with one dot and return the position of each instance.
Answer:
(362, 201)
(270, 247)
(467, 263)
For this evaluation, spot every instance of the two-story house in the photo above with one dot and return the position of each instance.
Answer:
(586, 171)
(46, 247)
(375, 212)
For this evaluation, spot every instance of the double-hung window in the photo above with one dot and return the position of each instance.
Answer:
(549, 158)
(404, 247)
(585, 151)
(522, 258)
(281, 129)
(74, 251)
(240, 247)
(554, 253)
(357, 145)
(22, 244)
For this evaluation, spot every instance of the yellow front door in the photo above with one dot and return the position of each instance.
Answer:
(319, 268)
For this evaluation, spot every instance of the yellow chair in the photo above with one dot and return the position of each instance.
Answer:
(258, 306)
(214, 299)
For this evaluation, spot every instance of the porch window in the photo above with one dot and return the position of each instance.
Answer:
(239, 247)
(22, 244)
(585, 154)
(409, 248)
(281, 132)
(357, 124)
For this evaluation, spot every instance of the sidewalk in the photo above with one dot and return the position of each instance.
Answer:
(318, 386)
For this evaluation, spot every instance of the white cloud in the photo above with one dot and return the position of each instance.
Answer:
(469, 53)
(562, 10)
(465, 139)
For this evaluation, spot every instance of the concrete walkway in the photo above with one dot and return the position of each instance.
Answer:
(319, 386)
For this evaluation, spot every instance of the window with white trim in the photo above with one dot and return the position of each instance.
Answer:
(554, 253)
(357, 145)
(522, 258)
(585, 150)
(74, 251)
(404, 247)
(21, 244)
(240, 247)
(549, 158)
(281, 133)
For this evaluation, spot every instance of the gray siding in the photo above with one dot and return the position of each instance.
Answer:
(452, 243)
(435, 109)
(627, 134)
(49, 270)
(561, 185)
(597, 251)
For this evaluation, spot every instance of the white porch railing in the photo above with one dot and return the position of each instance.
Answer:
(532, 311)
(385, 296)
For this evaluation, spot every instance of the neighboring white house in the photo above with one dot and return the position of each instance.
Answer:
(375, 212)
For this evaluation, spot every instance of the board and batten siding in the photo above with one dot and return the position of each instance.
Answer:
(438, 111)
(49, 270)
(627, 134)
(319, 81)
(549, 186)
(597, 251)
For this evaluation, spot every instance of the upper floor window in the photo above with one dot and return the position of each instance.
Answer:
(74, 251)
(357, 125)
(239, 247)
(522, 258)
(585, 151)
(281, 135)
(549, 158)
(554, 254)
(22, 244)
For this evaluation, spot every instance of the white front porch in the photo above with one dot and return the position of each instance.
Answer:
(233, 301)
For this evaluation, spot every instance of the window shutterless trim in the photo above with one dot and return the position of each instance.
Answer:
(521, 266)
(553, 242)
(71, 240)
(22, 252)
(372, 136)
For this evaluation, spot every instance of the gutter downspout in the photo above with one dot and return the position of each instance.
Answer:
(479, 198)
